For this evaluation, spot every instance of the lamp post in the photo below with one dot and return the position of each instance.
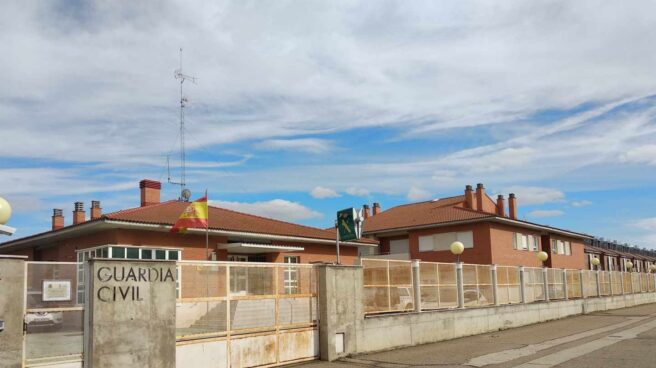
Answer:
(457, 248)
(629, 266)
(5, 214)
(543, 256)
(595, 263)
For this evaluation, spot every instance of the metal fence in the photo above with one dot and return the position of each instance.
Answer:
(245, 305)
(54, 313)
(389, 285)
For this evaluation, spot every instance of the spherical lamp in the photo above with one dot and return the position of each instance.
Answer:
(543, 256)
(595, 262)
(5, 211)
(457, 248)
(629, 265)
(652, 268)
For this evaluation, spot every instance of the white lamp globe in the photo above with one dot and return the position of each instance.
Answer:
(542, 256)
(5, 211)
(595, 261)
(629, 265)
(457, 247)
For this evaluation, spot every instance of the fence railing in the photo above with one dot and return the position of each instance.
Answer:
(401, 286)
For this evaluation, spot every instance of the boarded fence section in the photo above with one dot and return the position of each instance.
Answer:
(54, 314)
(246, 314)
(438, 285)
(387, 286)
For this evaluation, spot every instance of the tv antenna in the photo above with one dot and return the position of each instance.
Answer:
(180, 76)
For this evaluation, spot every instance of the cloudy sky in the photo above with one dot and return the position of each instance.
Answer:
(302, 108)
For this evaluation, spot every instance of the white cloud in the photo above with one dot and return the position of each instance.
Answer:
(647, 224)
(417, 194)
(536, 195)
(277, 208)
(581, 203)
(641, 154)
(358, 191)
(546, 213)
(309, 145)
(322, 192)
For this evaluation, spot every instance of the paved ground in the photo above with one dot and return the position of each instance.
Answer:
(619, 338)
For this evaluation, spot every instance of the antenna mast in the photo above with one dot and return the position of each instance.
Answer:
(184, 193)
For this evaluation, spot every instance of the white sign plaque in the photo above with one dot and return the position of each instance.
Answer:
(56, 290)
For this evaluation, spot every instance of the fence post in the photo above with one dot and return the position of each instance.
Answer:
(495, 284)
(565, 286)
(598, 284)
(622, 282)
(545, 283)
(416, 284)
(522, 296)
(460, 285)
(581, 273)
(631, 279)
(610, 283)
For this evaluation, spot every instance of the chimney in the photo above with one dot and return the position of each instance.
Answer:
(365, 211)
(469, 197)
(501, 206)
(480, 193)
(57, 219)
(96, 211)
(376, 208)
(512, 206)
(150, 190)
(78, 213)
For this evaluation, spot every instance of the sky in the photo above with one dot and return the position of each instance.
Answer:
(303, 108)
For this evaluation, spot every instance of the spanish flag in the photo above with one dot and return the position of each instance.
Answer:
(195, 215)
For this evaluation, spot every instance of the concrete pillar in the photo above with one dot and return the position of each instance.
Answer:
(522, 295)
(621, 282)
(564, 278)
(416, 285)
(598, 282)
(610, 284)
(340, 310)
(12, 310)
(460, 287)
(632, 287)
(582, 284)
(131, 314)
(495, 284)
(545, 283)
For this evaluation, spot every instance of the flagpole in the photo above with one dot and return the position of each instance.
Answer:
(207, 228)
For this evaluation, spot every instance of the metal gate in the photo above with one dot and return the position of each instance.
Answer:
(54, 314)
(235, 314)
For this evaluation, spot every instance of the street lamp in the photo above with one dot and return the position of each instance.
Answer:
(652, 268)
(543, 256)
(595, 262)
(629, 266)
(5, 214)
(457, 248)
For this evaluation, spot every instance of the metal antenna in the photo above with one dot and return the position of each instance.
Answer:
(183, 101)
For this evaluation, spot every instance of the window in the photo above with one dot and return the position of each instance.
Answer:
(398, 246)
(132, 253)
(118, 252)
(146, 254)
(526, 242)
(160, 254)
(290, 281)
(443, 241)
(561, 247)
(568, 248)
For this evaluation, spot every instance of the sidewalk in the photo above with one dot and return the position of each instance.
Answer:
(617, 338)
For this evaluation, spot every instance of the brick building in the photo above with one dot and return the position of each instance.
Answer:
(491, 234)
(614, 256)
(143, 233)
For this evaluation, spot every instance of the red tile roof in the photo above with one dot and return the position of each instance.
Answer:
(423, 213)
(167, 213)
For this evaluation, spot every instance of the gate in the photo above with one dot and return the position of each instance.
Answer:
(245, 314)
(54, 313)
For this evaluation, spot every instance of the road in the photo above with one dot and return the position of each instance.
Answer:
(618, 338)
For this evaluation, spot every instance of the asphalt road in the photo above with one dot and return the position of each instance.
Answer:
(619, 338)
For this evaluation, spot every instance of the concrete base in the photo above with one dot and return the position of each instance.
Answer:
(383, 332)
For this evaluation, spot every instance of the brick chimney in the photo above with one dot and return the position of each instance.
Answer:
(469, 197)
(480, 193)
(365, 211)
(376, 208)
(57, 219)
(512, 206)
(150, 191)
(501, 206)
(96, 211)
(78, 213)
